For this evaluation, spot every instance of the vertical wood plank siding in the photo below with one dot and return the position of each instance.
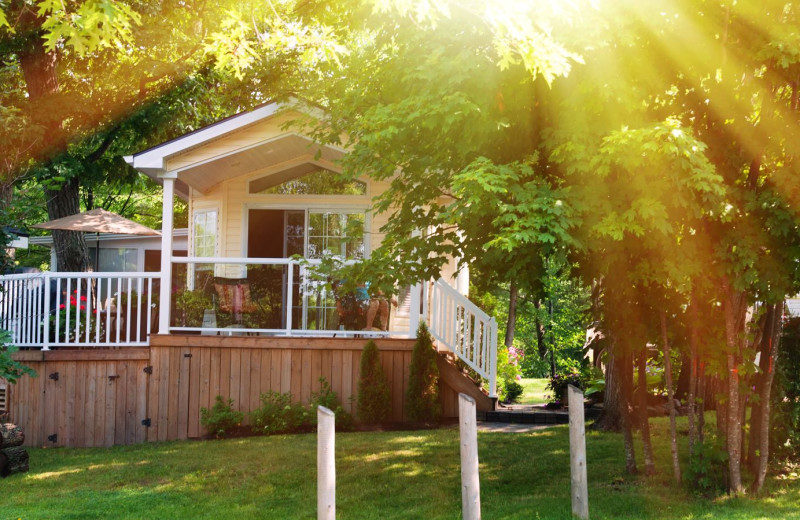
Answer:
(102, 397)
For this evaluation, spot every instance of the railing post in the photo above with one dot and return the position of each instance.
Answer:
(326, 464)
(289, 298)
(493, 357)
(165, 292)
(46, 313)
(470, 481)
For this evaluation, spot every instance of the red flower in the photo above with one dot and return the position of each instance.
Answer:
(83, 307)
(83, 298)
(62, 306)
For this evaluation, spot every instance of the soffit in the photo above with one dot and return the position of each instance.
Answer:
(271, 154)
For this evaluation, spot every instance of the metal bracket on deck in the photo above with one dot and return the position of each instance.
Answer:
(148, 369)
(53, 438)
(54, 376)
(146, 422)
(112, 378)
(187, 355)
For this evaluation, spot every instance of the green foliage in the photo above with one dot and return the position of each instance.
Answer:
(329, 399)
(221, 418)
(422, 394)
(191, 306)
(558, 384)
(374, 403)
(277, 413)
(512, 391)
(706, 474)
(11, 370)
(785, 430)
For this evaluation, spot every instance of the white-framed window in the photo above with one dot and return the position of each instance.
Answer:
(205, 233)
(336, 232)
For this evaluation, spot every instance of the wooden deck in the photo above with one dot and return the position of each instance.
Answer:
(103, 397)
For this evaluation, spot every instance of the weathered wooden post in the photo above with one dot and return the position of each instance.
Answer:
(470, 483)
(577, 454)
(326, 464)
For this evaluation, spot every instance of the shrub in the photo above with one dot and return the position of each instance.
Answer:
(422, 394)
(327, 397)
(11, 370)
(558, 384)
(221, 418)
(278, 414)
(708, 468)
(511, 391)
(373, 403)
(785, 431)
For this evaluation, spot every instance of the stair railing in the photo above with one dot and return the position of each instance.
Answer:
(460, 327)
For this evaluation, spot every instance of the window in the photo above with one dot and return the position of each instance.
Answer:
(205, 233)
(116, 259)
(306, 179)
(332, 233)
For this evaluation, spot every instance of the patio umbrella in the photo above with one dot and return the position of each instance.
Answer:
(98, 221)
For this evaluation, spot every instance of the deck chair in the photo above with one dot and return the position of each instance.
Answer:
(234, 298)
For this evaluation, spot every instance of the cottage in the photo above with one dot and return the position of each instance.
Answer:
(239, 313)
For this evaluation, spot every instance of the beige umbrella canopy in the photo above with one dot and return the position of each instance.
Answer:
(98, 221)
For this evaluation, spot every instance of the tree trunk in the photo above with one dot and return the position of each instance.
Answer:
(701, 406)
(512, 314)
(764, 346)
(39, 68)
(626, 369)
(540, 343)
(692, 391)
(773, 334)
(735, 308)
(644, 417)
(673, 434)
(13, 460)
(70, 246)
(684, 377)
(610, 418)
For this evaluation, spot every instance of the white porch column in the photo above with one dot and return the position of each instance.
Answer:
(167, 213)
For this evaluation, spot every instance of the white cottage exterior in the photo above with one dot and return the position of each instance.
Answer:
(128, 357)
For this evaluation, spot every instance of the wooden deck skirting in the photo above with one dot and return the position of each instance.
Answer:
(103, 397)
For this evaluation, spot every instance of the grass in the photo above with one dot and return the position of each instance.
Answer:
(394, 475)
(533, 391)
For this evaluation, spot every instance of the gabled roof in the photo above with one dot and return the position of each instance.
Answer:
(153, 160)
(236, 153)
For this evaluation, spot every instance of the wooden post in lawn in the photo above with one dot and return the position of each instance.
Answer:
(577, 454)
(470, 483)
(326, 464)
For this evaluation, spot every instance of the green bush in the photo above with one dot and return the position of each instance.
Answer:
(327, 397)
(221, 418)
(708, 468)
(278, 414)
(422, 394)
(785, 431)
(374, 402)
(511, 391)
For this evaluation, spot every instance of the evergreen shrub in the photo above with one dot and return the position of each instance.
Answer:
(373, 405)
(422, 394)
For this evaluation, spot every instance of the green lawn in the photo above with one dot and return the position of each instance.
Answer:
(533, 391)
(380, 475)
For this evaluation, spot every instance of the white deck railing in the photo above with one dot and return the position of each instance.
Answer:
(77, 309)
(305, 307)
(459, 326)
